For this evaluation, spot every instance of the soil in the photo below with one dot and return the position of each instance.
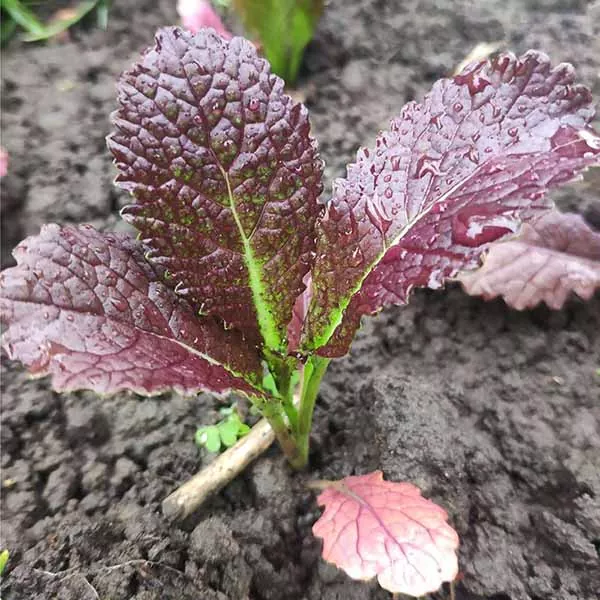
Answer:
(493, 413)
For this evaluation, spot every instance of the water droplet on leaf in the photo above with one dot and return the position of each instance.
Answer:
(427, 166)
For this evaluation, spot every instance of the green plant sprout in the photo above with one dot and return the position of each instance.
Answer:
(224, 434)
(18, 14)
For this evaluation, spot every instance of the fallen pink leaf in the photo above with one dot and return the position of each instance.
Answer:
(371, 527)
(553, 256)
(197, 14)
(3, 162)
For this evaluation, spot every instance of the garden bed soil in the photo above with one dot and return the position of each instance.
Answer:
(493, 413)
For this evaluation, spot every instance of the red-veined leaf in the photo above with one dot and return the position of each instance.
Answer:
(225, 176)
(86, 308)
(454, 173)
(551, 257)
(373, 527)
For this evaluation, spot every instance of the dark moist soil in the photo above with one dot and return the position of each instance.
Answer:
(493, 413)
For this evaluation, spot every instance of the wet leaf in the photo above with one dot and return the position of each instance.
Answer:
(86, 308)
(460, 170)
(551, 257)
(376, 528)
(225, 176)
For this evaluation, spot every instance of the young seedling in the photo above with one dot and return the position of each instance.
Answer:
(224, 434)
(240, 279)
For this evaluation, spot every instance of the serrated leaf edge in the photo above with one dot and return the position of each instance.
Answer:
(336, 316)
(338, 313)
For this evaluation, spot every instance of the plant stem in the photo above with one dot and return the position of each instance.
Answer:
(188, 497)
(314, 369)
(284, 371)
(284, 436)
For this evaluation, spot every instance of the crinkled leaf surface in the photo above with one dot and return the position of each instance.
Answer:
(552, 256)
(454, 173)
(86, 308)
(225, 176)
(371, 527)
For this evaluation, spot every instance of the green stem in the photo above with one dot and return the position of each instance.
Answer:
(287, 395)
(273, 411)
(282, 371)
(286, 440)
(314, 369)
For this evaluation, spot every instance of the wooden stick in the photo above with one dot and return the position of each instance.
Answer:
(189, 496)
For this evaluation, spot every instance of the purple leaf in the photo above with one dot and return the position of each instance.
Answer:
(86, 308)
(225, 176)
(454, 173)
(551, 257)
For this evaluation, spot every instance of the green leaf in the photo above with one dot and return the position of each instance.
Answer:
(269, 385)
(36, 30)
(23, 16)
(209, 438)
(102, 14)
(56, 27)
(243, 430)
(227, 411)
(7, 29)
(228, 430)
(284, 28)
(4, 555)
